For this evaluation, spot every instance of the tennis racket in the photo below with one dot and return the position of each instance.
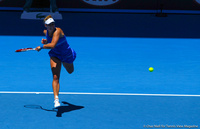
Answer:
(25, 49)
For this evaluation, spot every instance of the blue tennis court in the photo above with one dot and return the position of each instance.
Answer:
(111, 87)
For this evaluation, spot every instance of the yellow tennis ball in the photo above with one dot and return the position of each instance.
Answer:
(151, 69)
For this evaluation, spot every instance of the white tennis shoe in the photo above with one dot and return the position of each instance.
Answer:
(56, 103)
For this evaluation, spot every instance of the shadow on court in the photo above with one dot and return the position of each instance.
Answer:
(60, 110)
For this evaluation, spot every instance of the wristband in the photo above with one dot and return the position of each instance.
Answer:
(42, 47)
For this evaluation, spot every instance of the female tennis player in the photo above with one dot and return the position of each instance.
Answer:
(60, 53)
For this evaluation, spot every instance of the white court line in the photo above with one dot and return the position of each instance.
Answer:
(81, 93)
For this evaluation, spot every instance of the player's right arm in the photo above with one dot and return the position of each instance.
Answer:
(44, 41)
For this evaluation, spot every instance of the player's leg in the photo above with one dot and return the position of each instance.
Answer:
(69, 67)
(68, 62)
(55, 68)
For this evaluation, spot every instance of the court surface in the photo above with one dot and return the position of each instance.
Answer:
(111, 87)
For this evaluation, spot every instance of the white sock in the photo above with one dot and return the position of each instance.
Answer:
(56, 97)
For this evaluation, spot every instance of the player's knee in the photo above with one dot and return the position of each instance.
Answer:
(55, 78)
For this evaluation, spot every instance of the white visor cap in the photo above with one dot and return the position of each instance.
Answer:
(49, 21)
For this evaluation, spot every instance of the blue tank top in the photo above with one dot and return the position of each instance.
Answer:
(61, 48)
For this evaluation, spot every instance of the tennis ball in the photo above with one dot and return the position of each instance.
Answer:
(151, 69)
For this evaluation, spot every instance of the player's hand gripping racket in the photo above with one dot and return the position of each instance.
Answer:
(25, 49)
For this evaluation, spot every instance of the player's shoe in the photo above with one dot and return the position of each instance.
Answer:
(56, 103)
